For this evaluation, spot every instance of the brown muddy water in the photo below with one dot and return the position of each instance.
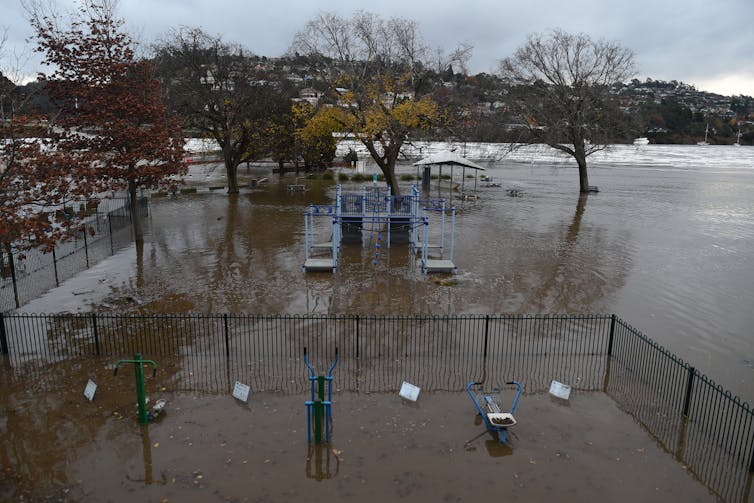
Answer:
(215, 448)
(667, 248)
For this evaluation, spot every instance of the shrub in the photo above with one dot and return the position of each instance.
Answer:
(358, 177)
(406, 177)
(342, 177)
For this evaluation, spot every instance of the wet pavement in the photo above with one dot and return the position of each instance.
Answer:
(216, 448)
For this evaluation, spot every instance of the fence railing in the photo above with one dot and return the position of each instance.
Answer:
(27, 274)
(699, 423)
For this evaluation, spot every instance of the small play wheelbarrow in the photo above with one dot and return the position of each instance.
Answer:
(491, 409)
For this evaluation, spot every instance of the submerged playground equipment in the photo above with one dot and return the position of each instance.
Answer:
(390, 219)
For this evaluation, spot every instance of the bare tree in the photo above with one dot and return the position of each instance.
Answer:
(561, 91)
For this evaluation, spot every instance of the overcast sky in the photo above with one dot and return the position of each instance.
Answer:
(707, 43)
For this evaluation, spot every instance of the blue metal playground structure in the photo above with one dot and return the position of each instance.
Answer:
(402, 219)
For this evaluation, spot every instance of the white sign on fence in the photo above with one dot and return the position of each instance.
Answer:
(560, 390)
(90, 389)
(241, 391)
(409, 391)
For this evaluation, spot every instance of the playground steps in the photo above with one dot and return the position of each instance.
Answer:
(434, 265)
(318, 264)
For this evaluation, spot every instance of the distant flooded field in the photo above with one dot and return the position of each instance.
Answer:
(667, 244)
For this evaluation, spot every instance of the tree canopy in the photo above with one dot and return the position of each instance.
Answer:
(212, 85)
(561, 85)
(113, 130)
(375, 70)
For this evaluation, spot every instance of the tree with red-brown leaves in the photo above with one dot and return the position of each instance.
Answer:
(34, 187)
(113, 130)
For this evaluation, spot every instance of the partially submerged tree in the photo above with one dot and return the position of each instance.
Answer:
(375, 71)
(211, 85)
(561, 92)
(113, 129)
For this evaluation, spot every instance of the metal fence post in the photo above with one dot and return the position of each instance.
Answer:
(86, 249)
(689, 388)
(96, 334)
(227, 337)
(486, 333)
(13, 276)
(612, 334)
(110, 225)
(55, 266)
(3, 335)
(357, 336)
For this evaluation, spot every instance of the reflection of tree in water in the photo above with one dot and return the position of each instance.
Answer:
(214, 253)
(576, 275)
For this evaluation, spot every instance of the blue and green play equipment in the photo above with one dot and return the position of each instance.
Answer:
(319, 410)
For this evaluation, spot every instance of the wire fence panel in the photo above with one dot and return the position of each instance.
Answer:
(27, 274)
(697, 421)
(704, 426)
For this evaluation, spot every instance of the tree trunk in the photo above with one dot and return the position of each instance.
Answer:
(135, 213)
(232, 171)
(580, 156)
(391, 179)
(583, 176)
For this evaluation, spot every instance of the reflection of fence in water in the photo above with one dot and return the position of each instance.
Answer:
(701, 424)
(208, 353)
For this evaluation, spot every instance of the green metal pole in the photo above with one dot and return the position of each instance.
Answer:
(319, 409)
(141, 395)
(321, 388)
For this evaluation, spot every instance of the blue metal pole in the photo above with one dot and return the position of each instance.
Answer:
(452, 231)
(306, 235)
(389, 211)
(442, 235)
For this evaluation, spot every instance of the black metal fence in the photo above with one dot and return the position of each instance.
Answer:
(699, 423)
(25, 275)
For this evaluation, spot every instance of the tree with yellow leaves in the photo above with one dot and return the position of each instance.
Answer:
(375, 72)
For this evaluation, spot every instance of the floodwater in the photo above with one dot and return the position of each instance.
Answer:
(60, 447)
(667, 244)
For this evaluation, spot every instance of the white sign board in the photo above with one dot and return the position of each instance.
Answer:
(241, 391)
(90, 389)
(560, 390)
(409, 391)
